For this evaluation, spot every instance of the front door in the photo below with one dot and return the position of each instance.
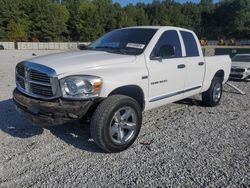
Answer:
(167, 72)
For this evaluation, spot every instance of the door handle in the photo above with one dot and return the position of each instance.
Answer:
(201, 63)
(181, 66)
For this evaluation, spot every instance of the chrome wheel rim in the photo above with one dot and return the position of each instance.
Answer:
(217, 92)
(123, 125)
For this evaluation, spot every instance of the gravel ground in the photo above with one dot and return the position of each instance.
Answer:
(180, 145)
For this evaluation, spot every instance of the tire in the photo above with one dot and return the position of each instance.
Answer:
(213, 95)
(116, 123)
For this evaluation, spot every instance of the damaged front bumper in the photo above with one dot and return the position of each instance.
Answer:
(240, 74)
(50, 113)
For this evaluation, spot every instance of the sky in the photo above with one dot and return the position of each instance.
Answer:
(125, 2)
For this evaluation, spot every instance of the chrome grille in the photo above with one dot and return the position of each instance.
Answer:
(37, 80)
(21, 82)
(41, 90)
(237, 70)
(38, 76)
(236, 76)
(20, 70)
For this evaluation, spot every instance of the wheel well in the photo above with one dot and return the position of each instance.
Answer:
(220, 74)
(132, 91)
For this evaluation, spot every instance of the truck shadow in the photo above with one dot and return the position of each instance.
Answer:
(75, 134)
(12, 124)
(190, 102)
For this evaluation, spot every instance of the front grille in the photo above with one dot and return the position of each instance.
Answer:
(20, 70)
(20, 82)
(38, 76)
(237, 70)
(36, 80)
(41, 90)
(236, 76)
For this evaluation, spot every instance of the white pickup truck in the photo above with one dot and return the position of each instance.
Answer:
(114, 79)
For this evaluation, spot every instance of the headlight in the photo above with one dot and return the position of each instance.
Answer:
(81, 87)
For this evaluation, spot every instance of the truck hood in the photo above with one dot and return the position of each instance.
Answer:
(80, 60)
(241, 64)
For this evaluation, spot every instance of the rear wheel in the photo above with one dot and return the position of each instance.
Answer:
(116, 123)
(213, 96)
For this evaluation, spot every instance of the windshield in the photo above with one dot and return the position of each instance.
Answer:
(241, 58)
(131, 41)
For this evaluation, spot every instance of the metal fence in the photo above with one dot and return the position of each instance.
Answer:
(245, 42)
(231, 51)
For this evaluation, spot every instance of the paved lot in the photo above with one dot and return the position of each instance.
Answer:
(180, 145)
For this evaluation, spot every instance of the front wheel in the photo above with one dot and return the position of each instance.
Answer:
(116, 123)
(213, 95)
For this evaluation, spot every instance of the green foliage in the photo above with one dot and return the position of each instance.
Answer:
(158, 14)
(14, 22)
(85, 20)
(16, 32)
(48, 21)
(233, 18)
(242, 19)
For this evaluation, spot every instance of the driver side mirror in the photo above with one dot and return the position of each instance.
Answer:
(165, 51)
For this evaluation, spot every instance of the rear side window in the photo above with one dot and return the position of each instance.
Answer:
(190, 44)
(169, 38)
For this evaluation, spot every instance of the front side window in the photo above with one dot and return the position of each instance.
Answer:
(190, 44)
(132, 41)
(167, 40)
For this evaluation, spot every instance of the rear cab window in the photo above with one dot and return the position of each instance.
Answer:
(190, 44)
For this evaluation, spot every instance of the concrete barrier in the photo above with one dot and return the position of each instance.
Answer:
(8, 45)
(48, 45)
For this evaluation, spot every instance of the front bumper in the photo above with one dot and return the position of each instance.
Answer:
(49, 113)
(240, 75)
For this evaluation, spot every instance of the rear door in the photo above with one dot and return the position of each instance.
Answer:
(195, 64)
(166, 75)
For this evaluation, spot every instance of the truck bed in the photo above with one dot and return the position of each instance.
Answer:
(214, 64)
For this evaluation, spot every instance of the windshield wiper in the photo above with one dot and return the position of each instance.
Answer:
(107, 47)
(121, 51)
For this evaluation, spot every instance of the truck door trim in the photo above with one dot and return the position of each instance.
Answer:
(173, 94)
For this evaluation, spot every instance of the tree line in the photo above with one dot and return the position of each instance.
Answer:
(85, 20)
